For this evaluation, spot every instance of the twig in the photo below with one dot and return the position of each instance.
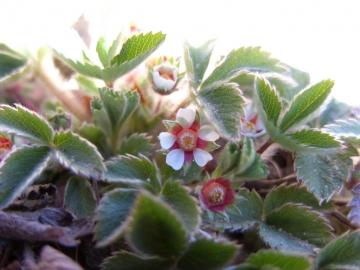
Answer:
(343, 219)
(96, 189)
(277, 168)
(277, 181)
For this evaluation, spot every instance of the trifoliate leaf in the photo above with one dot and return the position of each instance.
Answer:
(301, 78)
(25, 123)
(250, 58)
(348, 130)
(79, 198)
(334, 110)
(113, 211)
(269, 101)
(222, 104)
(125, 261)
(314, 138)
(155, 229)
(140, 46)
(251, 210)
(197, 61)
(281, 195)
(299, 222)
(114, 109)
(207, 254)
(179, 199)
(78, 155)
(282, 240)
(135, 145)
(20, 169)
(342, 253)
(324, 174)
(354, 213)
(278, 260)
(305, 104)
(127, 169)
(115, 47)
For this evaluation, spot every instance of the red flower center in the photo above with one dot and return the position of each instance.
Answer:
(187, 139)
(214, 194)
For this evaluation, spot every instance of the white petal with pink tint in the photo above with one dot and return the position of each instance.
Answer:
(201, 157)
(207, 133)
(175, 158)
(166, 139)
(185, 117)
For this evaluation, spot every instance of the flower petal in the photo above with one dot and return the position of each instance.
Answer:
(166, 139)
(175, 159)
(229, 197)
(207, 133)
(159, 81)
(185, 117)
(201, 157)
(218, 208)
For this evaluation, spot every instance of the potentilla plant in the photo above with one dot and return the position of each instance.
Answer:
(206, 182)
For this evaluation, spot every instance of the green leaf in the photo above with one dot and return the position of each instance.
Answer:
(167, 172)
(87, 85)
(257, 171)
(269, 100)
(222, 104)
(281, 195)
(342, 253)
(334, 110)
(115, 46)
(300, 223)
(324, 174)
(179, 199)
(348, 130)
(114, 109)
(197, 61)
(314, 138)
(249, 58)
(207, 254)
(112, 213)
(25, 123)
(79, 198)
(278, 260)
(20, 169)
(124, 168)
(140, 46)
(251, 210)
(86, 68)
(305, 104)
(155, 229)
(126, 261)
(136, 144)
(247, 156)
(301, 78)
(10, 62)
(101, 49)
(282, 240)
(78, 155)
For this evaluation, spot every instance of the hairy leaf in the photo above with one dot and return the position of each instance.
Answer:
(281, 195)
(250, 58)
(10, 62)
(140, 46)
(324, 174)
(306, 103)
(207, 254)
(79, 198)
(300, 223)
(78, 155)
(101, 49)
(314, 138)
(278, 260)
(20, 169)
(112, 214)
(348, 130)
(197, 61)
(269, 101)
(155, 229)
(179, 199)
(124, 168)
(23, 122)
(136, 144)
(342, 253)
(222, 104)
(125, 261)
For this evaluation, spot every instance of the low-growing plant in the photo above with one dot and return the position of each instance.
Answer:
(145, 167)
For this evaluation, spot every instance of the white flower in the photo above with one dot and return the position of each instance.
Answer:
(187, 141)
(251, 125)
(165, 76)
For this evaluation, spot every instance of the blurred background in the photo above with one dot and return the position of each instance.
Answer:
(320, 37)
